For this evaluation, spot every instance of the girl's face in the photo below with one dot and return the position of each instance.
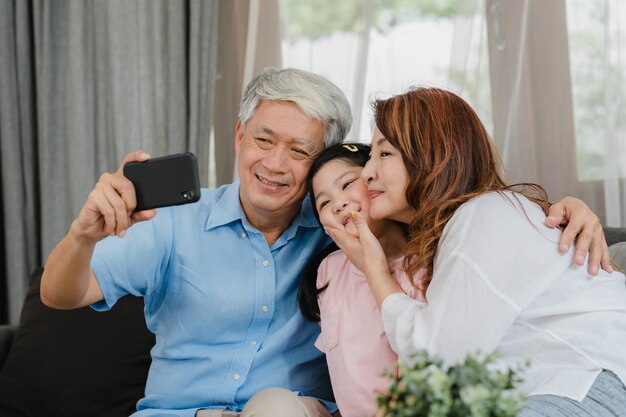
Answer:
(338, 189)
(387, 179)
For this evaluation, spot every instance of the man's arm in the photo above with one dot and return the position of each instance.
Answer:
(68, 281)
(583, 226)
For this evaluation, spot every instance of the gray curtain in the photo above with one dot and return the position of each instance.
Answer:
(234, 23)
(82, 84)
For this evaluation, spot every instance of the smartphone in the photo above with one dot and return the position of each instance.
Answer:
(165, 181)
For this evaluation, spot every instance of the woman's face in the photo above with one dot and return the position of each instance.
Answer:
(387, 178)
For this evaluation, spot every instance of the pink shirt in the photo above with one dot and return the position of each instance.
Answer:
(352, 335)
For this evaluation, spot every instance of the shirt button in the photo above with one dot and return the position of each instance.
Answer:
(266, 262)
(243, 235)
(265, 309)
(253, 343)
(236, 377)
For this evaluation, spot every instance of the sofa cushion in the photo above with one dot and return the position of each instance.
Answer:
(614, 235)
(76, 363)
(7, 334)
(618, 254)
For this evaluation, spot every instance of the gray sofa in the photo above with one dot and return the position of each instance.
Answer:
(84, 363)
(73, 363)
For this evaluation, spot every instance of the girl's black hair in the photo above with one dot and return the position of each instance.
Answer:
(356, 154)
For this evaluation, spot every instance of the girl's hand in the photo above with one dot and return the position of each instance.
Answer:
(366, 253)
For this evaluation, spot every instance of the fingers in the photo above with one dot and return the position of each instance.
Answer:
(599, 253)
(585, 229)
(557, 214)
(340, 237)
(136, 156)
(576, 231)
(361, 225)
(605, 261)
(143, 215)
(554, 220)
(595, 257)
(590, 241)
(121, 198)
(109, 207)
(116, 202)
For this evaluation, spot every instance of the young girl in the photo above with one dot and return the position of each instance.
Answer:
(352, 336)
(498, 279)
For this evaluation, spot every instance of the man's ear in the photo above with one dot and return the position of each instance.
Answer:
(239, 131)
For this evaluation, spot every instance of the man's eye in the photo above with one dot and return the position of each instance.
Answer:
(299, 153)
(263, 143)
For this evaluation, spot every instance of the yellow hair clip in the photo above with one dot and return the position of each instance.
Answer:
(351, 148)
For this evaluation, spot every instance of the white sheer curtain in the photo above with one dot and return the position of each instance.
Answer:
(598, 54)
(383, 48)
(546, 77)
(559, 98)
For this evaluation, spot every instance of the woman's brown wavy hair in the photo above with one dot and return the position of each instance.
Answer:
(450, 159)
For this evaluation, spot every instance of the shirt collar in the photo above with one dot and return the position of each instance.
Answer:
(228, 209)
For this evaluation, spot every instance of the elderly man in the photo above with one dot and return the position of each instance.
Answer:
(219, 277)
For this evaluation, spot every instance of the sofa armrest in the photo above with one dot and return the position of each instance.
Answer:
(7, 333)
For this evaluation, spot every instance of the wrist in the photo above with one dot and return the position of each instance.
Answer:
(79, 235)
(382, 285)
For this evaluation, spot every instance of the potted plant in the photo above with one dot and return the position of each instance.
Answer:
(425, 387)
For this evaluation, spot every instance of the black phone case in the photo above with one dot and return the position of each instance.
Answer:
(165, 181)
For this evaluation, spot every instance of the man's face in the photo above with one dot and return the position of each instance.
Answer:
(275, 152)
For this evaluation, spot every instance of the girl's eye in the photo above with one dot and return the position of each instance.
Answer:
(347, 184)
(323, 204)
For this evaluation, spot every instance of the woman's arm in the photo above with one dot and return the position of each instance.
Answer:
(488, 269)
(452, 322)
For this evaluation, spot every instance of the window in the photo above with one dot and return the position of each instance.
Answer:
(597, 51)
(375, 48)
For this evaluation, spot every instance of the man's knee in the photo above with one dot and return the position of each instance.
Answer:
(279, 402)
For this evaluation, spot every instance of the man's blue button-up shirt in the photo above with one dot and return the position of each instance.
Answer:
(222, 304)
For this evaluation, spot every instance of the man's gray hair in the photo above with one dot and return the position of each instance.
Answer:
(316, 96)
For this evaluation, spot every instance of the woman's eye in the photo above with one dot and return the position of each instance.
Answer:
(384, 154)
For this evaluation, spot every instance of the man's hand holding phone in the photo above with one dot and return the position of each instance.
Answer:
(109, 209)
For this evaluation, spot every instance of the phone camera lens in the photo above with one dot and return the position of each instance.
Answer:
(188, 195)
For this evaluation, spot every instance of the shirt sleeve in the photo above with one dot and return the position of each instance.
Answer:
(134, 264)
(322, 274)
(323, 278)
(409, 286)
(493, 260)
